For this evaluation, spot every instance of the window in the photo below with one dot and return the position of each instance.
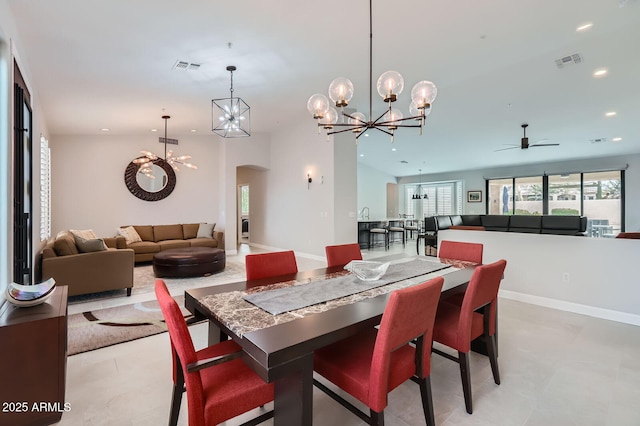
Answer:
(602, 200)
(45, 189)
(431, 199)
(244, 200)
(597, 195)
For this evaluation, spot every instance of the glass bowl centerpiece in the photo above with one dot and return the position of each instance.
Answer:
(367, 270)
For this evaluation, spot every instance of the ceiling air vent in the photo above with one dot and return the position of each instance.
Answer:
(598, 140)
(184, 65)
(565, 61)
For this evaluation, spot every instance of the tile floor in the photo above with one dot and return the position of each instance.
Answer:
(557, 368)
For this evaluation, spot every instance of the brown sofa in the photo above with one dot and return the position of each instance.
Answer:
(84, 273)
(156, 238)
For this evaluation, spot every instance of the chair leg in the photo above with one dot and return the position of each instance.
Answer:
(427, 401)
(176, 400)
(465, 375)
(493, 358)
(377, 419)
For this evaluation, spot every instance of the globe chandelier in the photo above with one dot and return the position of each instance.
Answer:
(148, 159)
(389, 85)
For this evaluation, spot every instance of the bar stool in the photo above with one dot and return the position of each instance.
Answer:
(397, 229)
(380, 231)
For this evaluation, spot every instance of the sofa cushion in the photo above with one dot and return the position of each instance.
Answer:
(145, 232)
(443, 222)
(65, 244)
(167, 232)
(130, 234)
(145, 247)
(456, 220)
(495, 222)
(471, 220)
(173, 244)
(525, 223)
(84, 233)
(90, 245)
(190, 230)
(205, 230)
(203, 242)
(562, 225)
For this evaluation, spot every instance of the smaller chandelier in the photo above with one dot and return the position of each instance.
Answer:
(147, 160)
(417, 196)
(231, 117)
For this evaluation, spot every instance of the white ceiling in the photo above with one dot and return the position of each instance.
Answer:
(109, 65)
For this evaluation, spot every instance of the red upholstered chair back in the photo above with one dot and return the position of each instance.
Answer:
(410, 313)
(633, 235)
(469, 252)
(181, 341)
(265, 265)
(482, 290)
(342, 254)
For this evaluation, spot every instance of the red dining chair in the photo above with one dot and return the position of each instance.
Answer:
(457, 325)
(342, 254)
(468, 252)
(219, 388)
(265, 265)
(371, 364)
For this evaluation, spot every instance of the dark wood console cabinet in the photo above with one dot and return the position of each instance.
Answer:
(33, 362)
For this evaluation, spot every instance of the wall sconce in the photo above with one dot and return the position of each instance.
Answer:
(309, 180)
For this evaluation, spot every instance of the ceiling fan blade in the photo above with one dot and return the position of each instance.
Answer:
(504, 149)
(544, 144)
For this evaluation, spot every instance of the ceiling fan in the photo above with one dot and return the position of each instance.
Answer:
(524, 142)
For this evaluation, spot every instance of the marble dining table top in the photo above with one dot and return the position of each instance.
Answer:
(241, 317)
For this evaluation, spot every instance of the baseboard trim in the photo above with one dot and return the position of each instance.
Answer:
(298, 253)
(576, 308)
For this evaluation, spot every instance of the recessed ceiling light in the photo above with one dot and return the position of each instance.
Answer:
(610, 113)
(600, 73)
(361, 155)
(104, 129)
(366, 135)
(194, 130)
(616, 139)
(393, 149)
(584, 27)
(154, 130)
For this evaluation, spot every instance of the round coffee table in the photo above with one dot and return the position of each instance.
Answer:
(188, 262)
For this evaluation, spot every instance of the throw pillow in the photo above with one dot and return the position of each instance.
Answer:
(130, 234)
(205, 230)
(84, 233)
(65, 244)
(90, 245)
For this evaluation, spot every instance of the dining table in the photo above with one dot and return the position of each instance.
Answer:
(279, 348)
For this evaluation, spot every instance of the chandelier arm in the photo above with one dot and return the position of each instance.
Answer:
(362, 132)
(351, 117)
(377, 120)
(351, 129)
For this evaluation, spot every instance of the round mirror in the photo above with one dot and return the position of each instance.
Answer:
(152, 181)
(154, 185)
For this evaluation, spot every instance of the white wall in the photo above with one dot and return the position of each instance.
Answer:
(372, 191)
(299, 216)
(591, 276)
(88, 189)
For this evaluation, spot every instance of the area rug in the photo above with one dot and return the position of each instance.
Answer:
(105, 327)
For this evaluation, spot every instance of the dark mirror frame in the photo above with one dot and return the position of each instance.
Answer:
(130, 179)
